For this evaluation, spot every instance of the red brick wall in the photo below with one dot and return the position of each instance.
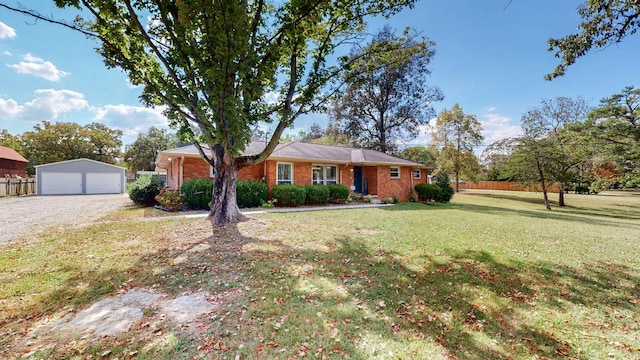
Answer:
(195, 168)
(345, 174)
(378, 177)
(252, 172)
(371, 175)
(402, 187)
(302, 173)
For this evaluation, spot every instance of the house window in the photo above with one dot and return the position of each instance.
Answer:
(331, 174)
(395, 172)
(417, 174)
(324, 174)
(284, 173)
(212, 171)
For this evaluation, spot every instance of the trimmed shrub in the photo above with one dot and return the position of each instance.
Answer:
(289, 195)
(338, 192)
(428, 192)
(316, 194)
(144, 190)
(251, 193)
(447, 190)
(197, 193)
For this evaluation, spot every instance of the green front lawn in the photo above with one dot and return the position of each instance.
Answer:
(490, 275)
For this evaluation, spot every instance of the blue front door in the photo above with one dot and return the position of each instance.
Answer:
(357, 178)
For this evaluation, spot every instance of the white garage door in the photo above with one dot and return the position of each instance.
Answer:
(104, 183)
(61, 183)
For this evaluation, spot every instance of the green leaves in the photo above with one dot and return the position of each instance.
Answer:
(386, 96)
(604, 22)
(457, 133)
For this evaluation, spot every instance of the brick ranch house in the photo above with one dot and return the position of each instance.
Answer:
(363, 171)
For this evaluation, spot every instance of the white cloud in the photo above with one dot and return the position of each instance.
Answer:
(47, 104)
(497, 127)
(7, 53)
(132, 120)
(36, 66)
(6, 31)
(10, 108)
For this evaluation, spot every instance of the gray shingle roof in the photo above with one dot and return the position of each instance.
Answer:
(299, 151)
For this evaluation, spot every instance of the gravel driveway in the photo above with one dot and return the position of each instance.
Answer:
(32, 214)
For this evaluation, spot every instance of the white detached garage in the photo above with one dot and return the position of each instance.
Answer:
(79, 177)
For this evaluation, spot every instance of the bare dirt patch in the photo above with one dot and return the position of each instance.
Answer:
(113, 316)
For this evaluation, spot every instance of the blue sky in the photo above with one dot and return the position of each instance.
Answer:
(491, 58)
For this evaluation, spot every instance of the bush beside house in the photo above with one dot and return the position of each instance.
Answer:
(197, 193)
(144, 190)
(316, 194)
(428, 192)
(289, 195)
(251, 193)
(338, 192)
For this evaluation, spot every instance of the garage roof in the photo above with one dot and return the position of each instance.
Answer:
(78, 160)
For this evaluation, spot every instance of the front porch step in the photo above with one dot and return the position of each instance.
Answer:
(375, 200)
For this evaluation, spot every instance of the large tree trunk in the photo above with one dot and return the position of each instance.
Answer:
(224, 207)
(561, 196)
(457, 182)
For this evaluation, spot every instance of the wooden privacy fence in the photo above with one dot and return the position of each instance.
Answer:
(502, 185)
(14, 187)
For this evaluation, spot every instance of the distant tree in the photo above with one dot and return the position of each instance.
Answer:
(457, 133)
(315, 132)
(141, 154)
(221, 67)
(53, 142)
(107, 146)
(419, 154)
(333, 136)
(615, 129)
(287, 138)
(494, 159)
(387, 97)
(549, 151)
(12, 141)
(604, 23)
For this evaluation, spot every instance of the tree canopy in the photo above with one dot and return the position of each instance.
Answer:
(420, 154)
(53, 142)
(141, 154)
(457, 133)
(604, 23)
(549, 152)
(212, 65)
(387, 96)
(614, 130)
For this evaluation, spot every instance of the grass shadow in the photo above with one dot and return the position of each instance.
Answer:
(351, 298)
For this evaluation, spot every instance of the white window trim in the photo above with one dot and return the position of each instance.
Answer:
(323, 174)
(325, 179)
(212, 171)
(390, 172)
(419, 174)
(278, 172)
